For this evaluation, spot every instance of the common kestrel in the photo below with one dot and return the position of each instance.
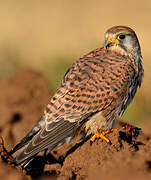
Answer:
(95, 90)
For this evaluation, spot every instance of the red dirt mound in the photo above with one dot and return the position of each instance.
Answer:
(22, 101)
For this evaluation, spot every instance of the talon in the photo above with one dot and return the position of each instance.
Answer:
(102, 135)
(91, 142)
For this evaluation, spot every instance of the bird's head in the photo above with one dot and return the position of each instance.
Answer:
(123, 40)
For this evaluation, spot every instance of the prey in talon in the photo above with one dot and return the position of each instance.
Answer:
(95, 90)
(132, 133)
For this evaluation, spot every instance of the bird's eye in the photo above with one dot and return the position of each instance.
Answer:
(121, 37)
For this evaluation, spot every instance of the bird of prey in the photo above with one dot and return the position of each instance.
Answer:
(95, 90)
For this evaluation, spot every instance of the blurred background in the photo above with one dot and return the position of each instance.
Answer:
(49, 35)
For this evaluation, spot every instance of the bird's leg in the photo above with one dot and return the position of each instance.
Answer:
(101, 134)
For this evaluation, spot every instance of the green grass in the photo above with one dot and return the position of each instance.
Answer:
(136, 113)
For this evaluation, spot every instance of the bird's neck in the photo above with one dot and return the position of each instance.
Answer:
(118, 50)
(136, 56)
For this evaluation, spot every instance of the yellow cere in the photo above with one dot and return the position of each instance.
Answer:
(111, 39)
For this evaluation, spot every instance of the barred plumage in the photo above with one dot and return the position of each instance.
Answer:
(96, 89)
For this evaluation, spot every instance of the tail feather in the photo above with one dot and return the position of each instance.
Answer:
(46, 140)
(28, 137)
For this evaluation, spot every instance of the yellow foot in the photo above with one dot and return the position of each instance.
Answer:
(102, 134)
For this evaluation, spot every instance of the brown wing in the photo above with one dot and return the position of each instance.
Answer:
(91, 84)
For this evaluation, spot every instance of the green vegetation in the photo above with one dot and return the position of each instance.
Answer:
(54, 71)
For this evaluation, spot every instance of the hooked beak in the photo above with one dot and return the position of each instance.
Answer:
(110, 40)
